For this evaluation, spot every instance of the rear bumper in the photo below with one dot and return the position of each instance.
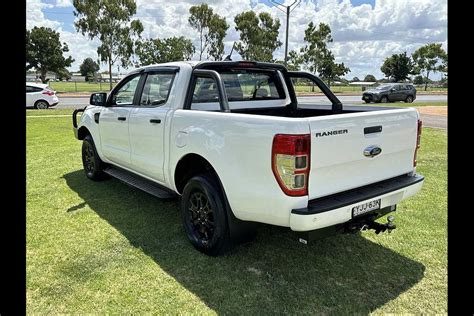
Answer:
(337, 208)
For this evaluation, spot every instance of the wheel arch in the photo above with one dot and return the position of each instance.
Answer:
(82, 132)
(193, 164)
(41, 100)
(190, 165)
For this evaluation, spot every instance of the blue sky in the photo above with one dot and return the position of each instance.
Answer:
(365, 32)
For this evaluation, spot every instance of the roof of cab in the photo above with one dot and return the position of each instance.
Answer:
(203, 64)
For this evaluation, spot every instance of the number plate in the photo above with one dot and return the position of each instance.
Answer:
(366, 207)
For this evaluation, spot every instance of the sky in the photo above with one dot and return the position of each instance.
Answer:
(365, 32)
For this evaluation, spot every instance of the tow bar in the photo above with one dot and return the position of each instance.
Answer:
(352, 227)
(380, 228)
(370, 223)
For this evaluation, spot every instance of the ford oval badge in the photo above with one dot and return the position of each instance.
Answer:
(372, 151)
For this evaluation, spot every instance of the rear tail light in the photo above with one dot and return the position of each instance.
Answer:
(290, 163)
(48, 92)
(418, 140)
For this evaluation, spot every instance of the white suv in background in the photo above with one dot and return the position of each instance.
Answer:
(40, 96)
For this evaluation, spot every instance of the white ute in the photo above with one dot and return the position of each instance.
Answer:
(231, 139)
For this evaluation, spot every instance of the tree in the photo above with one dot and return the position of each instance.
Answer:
(212, 29)
(317, 56)
(109, 22)
(258, 36)
(155, 51)
(355, 79)
(88, 68)
(294, 61)
(329, 70)
(430, 58)
(63, 74)
(44, 52)
(370, 78)
(398, 67)
(418, 80)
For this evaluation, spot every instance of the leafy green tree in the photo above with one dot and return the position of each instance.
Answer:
(355, 79)
(109, 22)
(294, 61)
(418, 80)
(370, 78)
(212, 29)
(44, 52)
(63, 74)
(155, 51)
(317, 56)
(89, 68)
(258, 36)
(398, 67)
(329, 70)
(430, 58)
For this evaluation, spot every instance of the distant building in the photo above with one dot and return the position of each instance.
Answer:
(363, 84)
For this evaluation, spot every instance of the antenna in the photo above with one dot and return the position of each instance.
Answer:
(228, 57)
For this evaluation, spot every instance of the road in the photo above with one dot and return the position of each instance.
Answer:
(65, 102)
(436, 121)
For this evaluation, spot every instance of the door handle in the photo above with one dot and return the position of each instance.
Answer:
(157, 121)
(121, 118)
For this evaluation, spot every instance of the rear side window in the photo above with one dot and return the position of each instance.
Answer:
(240, 85)
(156, 89)
(30, 89)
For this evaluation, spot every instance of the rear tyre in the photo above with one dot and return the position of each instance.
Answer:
(409, 99)
(366, 101)
(41, 105)
(203, 211)
(93, 165)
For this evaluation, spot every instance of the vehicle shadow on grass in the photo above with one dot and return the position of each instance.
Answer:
(272, 274)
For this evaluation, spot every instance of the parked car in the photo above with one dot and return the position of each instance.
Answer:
(40, 96)
(390, 93)
(230, 139)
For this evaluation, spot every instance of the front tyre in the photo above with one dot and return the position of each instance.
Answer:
(93, 165)
(384, 99)
(203, 211)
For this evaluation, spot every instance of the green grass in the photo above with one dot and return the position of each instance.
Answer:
(414, 104)
(103, 247)
(65, 86)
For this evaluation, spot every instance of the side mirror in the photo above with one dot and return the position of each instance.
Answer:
(393, 89)
(98, 99)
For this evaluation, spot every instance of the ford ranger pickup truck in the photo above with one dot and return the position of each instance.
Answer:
(231, 140)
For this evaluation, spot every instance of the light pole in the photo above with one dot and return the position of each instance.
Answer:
(287, 10)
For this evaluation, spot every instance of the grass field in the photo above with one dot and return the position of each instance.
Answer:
(80, 86)
(407, 105)
(103, 247)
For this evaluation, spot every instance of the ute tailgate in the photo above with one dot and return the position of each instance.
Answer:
(338, 142)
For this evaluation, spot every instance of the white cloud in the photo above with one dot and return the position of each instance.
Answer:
(63, 3)
(363, 35)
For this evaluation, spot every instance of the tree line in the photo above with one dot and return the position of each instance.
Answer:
(121, 43)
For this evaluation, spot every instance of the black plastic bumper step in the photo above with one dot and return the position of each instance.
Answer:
(140, 183)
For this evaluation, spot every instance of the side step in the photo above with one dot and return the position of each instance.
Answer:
(140, 183)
